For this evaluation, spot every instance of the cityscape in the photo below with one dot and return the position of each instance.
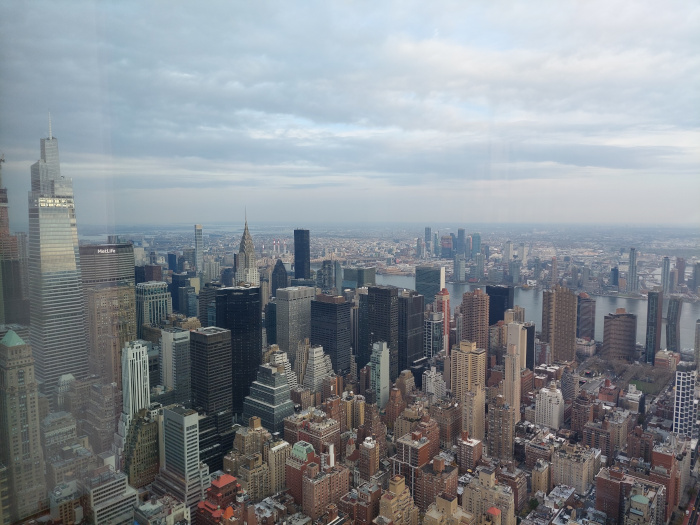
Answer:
(357, 263)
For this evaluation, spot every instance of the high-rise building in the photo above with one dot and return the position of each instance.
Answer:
(632, 279)
(500, 300)
(475, 317)
(57, 322)
(559, 322)
(136, 389)
(198, 248)
(429, 281)
(549, 407)
(330, 328)
(411, 308)
(153, 304)
(314, 366)
(246, 264)
(379, 373)
(106, 263)
(666, 275)
(428, 240)
(279, 278)
(459, 269)
(276, 453)
(501, 418)
(488, 499)
(673, 324)
(654, 319)
(302, 254)
(293, 317)
(175, 364)
(511, 385)
(442, 304)
(383, 317)
(238, 309)
(468, 369)
(181, 475)
(433, 337)
(269, 398)
(619, 335)
(211, 369)
(207, 303)
(476, 244)
(585, 317)
(697, 343)
(21, 452)
(685, 405)
(554, 274)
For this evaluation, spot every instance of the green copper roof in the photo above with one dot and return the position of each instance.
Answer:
(640, 499)
(12, 339)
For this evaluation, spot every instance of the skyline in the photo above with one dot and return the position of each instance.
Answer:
(383, 114)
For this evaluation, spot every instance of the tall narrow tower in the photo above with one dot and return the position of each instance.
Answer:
(247, 265)
(632, 280)
(302, 254)
(57, 323)
(198, 248)
(475, 318)
(559, 322)
(654, 320)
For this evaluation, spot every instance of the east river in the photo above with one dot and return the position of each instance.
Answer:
(531, 300)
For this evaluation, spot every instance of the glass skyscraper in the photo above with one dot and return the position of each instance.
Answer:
(57, 323)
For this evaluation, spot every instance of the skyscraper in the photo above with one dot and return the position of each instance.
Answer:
(136, 391)
(330, 328)
(475, 318)
(198, 248)
(238, 309)
(57, 322)
(433, 337)
(655, 304)
(293, 317)
(619, 335)
(429, 281)
(685, 405)
(269, 398)
(553, 274)
(666, 275)
(585, 317)
(501, 418)
(673, 324)
(442, 304)
(468, 368)
(302, 254)
(279, 278)
(211, 369)
(175, 365)
(428, 240)
(632, 280)
(501, 298)
(511, 385)
(410, 328)
(246, 264)
(153, 304)
(379, 374)
(476, 244)
(21, 452)
(383, 316)
(559, 322)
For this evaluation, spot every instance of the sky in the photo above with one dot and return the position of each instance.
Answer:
(300, 112)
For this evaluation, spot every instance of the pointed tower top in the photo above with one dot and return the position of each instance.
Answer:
(50, 134)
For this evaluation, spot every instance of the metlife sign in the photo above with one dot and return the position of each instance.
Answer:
(106, 250)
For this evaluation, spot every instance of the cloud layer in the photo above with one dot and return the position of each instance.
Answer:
(448, 111)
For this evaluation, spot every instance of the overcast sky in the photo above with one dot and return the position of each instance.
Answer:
(184, 112)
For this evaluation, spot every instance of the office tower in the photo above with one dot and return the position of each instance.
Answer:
(411, 308)
(21, 452)
(501, 418)
(522, 253)
(585, 317)
(246, 264)
(476, 244)
(153, 304)
(655, 304)
(511, 384)
(293, 317)
(697, 343)
(279, 278)
(475, 317)
(106, 496)
(459, 268)
(516, 334)
(106, 263)
(501, 298)
(429, 281)
(330, 328)
(198, 248)
(559, 322)
(172, 262)
(141, 454)
(175, 364)
(685, 405)
(57, 322)
(553, 274)
(182, 475)
(302, 254)
(136, 392)
(271, 322)
(479, 266)
(514, 271)
(276, 454)
(614, 276)
(207, 303)
(530, 352)
(680, 266)
(280, 358)
(468, 369)
(428, 240)
(269, 398)
(619, 335)
(442, 304)
(238, 309)
(102, 411)
(666, 275)
(379, 373)
(433, 336)
(508, 252)
(383, 317)
(673, 324)
(313, 366)
(211, 369)
(632, 279)
(549, 407)
(460, 242)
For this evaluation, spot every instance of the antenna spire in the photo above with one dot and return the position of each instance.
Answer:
(50, 135)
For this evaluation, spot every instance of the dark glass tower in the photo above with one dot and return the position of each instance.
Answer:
(673, 324)
(411, 307)
(383, 316)
(364, 349)
(501, 298)
(239, 310)
(429, 281)
(330, 328)
(654, 319)
(210, 366)
(279, 278)
(585, 317)
(302, 254)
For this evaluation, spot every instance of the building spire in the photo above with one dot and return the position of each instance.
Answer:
(50, 135)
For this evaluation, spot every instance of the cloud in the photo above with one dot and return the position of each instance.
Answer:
(282, 101)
